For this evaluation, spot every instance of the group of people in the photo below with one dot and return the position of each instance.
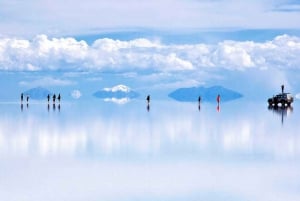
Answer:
(22, 98)
(54, 98)
(48, 97)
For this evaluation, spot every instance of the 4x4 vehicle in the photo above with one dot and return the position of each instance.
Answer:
(283, 99)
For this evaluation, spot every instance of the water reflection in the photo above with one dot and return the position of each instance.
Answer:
(164, 130)
(126, 153)
(282, 111)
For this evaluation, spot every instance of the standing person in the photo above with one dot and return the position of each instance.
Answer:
(27, 100)
(48, 97)
(22, 96)
(218, 99)
(54, 97)
(58, 98)
(199, 100)
(148, 103)
(282, 88)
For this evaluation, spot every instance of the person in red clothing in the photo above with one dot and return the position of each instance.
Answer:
(218, 101)
(218, 98)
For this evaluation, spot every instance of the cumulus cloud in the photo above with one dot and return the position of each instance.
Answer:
(68, 54)
(47, 81)
(119, 101)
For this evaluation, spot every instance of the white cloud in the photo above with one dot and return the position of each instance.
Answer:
(68, 54)
(76, 94)
(117, 88)
(47, 81)
(119, 101)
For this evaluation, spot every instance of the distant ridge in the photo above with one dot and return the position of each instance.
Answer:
(37, 93)
(117, 92)
(207, 94)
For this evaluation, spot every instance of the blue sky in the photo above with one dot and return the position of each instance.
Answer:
(149, 45)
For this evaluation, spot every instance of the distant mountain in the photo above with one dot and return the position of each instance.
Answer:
(207, 94)
(37, 93)
(117, 92)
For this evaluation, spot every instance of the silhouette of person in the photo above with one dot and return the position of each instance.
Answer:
(282, 88)
(199, 101)
(58, 98)
(27, 99)
(48, 97)
(22, 97)
(54, 97)
(218, 99)
(148, 103)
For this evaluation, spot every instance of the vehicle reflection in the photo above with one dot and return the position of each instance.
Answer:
(283, 111)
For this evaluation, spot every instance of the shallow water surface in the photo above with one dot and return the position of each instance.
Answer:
(96, 150)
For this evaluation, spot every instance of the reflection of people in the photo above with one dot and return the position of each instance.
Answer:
(218, 108)
(282, 88)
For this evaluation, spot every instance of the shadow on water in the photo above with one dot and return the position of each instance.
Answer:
(282, 111)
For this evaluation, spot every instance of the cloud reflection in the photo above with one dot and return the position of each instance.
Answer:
(147, 133)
